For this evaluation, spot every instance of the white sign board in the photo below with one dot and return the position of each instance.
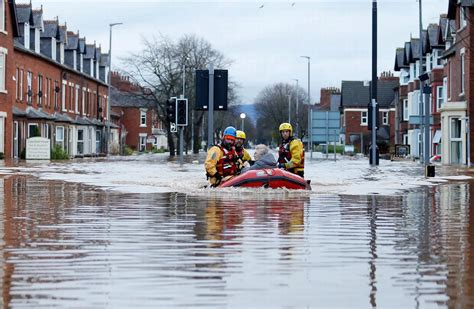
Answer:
(38, 148)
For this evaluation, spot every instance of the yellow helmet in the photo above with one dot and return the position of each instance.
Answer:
(241, 134)
(286, 126)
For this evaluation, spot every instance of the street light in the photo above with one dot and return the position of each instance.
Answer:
(242, 116)
(296, 113)
(107, 140)
(309, 132)
(289, 108)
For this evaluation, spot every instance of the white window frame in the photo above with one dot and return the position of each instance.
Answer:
(2, 17)
(143, 118)
(53, 49)
(142, 137)
(26, 37)
(405, 139)
(463, 71)
(462, 18)
(385, 118)
(84, 100)
(364, 120)
(32, 125)
(74, 59)
(40, 88)
(56, 95)
(76, 100)
(439, 97)
(22, 73)
(81, 62)
(98, 134)
(3, 61)
(63, 96)
(17, 83)
(406, 110)
(57, 140)
(29, 87)
(37, 40)
(71, 97)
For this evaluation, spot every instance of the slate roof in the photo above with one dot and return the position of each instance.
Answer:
(38, 18)
(433, 35)
(24, 13)
(90, 51)
(72, 41)
(63, 34)
(400, 60)
(127, 99)
(415, 49)
(82, 45)
(51, 29)
(355, 94)
(104, 60)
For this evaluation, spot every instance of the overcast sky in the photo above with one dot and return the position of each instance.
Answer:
(264, 43)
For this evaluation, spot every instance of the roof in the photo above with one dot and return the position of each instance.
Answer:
(82, 45)
(51, 29)
(426, 42)
(433, 36)
(38, 18)
(128, 99)
(356, 94)
(407, 51)
(104, 60)
(63, 34)
(90, 51)
(24, 15)
(72, 41)
(400, 60)
(415, 49)
(37, 114)
(97, 53)
(63, 118)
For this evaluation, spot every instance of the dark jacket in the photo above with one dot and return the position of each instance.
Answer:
(267, 161)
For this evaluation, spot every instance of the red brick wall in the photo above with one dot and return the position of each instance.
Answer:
(6, 99)
(131, 121)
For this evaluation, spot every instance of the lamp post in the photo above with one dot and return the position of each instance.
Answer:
(107, 140)
(296, 112)
(242, 116)
(310, 124)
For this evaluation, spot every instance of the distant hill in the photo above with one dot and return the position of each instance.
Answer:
(249, 110)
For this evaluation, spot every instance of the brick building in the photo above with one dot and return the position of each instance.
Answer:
(140, 128)
(59, 89)
(330, 99)
(355, 97)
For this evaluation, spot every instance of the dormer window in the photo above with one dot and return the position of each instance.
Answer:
(37, 40)
(2, 17)
(53, 48)
(61, 53)
(81, 63)
(74, 59)
(26, 43)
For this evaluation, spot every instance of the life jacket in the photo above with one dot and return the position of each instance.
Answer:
(240, 152)
(284, 155)
(227, 165)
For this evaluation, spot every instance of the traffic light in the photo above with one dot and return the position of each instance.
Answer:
(171, 111)
(369, 115)
(182, 112)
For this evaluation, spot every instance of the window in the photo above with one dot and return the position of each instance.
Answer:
(60, 136)
(74, 59)
(2, 69)
(71, 97)
(363, 118)
(412, 71)
(56, 90)
(76, 100)
(21, 84)
(80, 141)
(142, 146)
(439, 97)
(40, 89)
(450, 81)
(81, 63)
(462, 18)
(97, 141)
(462, 71)
(53, 49)
(405, 139)
(45, 132)
(142, 118)
(406, 111)
(63, 96)
(2, 17)
(47, 95)
(456, 140)
(417, 70)
(26, 43)
(61, 53)
(385, 118)
(17, 84)
(33, 130)
(37, 40)
(83, 101)
(29, 86)
(428, 62)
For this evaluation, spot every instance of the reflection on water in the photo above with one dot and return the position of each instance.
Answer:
(69, 245)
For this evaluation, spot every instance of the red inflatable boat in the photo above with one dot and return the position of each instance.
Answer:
(268, 178)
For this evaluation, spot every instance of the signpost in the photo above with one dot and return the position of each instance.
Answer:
(38, 148)
(326, 128)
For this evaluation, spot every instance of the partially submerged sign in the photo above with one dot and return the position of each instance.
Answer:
(38, 148)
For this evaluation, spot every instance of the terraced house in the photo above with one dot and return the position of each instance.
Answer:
(59, 89)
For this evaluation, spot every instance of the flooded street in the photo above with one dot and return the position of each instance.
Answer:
(71, 245)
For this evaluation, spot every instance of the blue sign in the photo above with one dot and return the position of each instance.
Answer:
(326, 126)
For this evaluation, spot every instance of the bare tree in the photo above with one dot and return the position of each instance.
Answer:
(273, 104)
(158, 67)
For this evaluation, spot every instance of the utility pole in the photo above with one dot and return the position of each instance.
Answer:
(424, 104)
(373, 105)
(297, 103)
(210, 119)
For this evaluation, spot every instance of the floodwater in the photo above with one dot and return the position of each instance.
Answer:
(70, 245)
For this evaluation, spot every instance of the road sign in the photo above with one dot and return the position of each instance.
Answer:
(220, 90)
(326, 126)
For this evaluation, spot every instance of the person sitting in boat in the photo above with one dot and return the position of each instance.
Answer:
(263, 159)
(291, 151)
(243, 154)
(222, 159)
